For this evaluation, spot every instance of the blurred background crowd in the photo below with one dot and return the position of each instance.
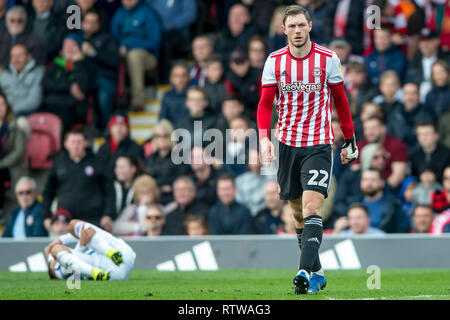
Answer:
(72, 103)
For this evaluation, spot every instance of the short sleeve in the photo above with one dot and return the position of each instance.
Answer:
(334, 72)
(268, 77)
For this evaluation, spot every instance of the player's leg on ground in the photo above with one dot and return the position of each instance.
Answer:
(312, 232)
(101, 242)
(296, 206)
(68, 260)
(98, 242)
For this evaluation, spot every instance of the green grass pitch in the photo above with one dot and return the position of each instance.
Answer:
(405, 284)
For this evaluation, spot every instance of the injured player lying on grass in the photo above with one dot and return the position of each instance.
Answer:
(97, 255)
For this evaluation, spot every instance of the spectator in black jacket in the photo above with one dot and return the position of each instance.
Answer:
(26, 220)
(118, 143)
(103, 49)
(229, 216)
(184, 205)
(430, 154)
(437, 100)
(419, 69)
(16, 21)
(80, 183)
(197, 104)
(173, 107)
(268, 220)
(358, 87)
(205, 176)
(402, 121)
(47, 25)
(239, 30)
(160, 165)
(68, 82)
(245, 81)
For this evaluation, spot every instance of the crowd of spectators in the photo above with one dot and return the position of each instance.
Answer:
(212, 53)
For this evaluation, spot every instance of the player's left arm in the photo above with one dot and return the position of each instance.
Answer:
(335, 81)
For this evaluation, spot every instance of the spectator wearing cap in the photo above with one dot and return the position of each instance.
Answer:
(137, 28)
(118, 142)
(60, 222)
(237, 33)
(244, 80)
(103, 49)
(21, 82)
(16, 21)
(386, 56)
(26, 220)
(68, 82)
(419, 68)
(45, 23)
(81, 184)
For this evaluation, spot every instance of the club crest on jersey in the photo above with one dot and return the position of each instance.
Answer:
(300, 86)
(317, 72)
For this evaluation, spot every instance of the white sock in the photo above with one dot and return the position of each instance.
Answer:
(302, 270)
(68, 260)
(320, 272)
(97, 243)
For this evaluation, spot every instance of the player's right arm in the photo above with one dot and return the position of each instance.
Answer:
(264, 115)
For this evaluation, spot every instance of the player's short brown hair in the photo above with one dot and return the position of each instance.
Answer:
(294, 10)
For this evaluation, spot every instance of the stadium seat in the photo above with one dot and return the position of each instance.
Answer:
(45, 140)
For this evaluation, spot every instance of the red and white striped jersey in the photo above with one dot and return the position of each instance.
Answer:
(303, 94)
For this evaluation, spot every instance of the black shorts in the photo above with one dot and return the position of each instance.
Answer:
(305, 168)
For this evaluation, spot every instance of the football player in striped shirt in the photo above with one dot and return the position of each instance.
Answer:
(302, 78)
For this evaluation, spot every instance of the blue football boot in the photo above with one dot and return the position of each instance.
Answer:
(316, 283)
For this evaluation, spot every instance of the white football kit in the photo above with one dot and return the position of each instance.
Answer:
(91, 255)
